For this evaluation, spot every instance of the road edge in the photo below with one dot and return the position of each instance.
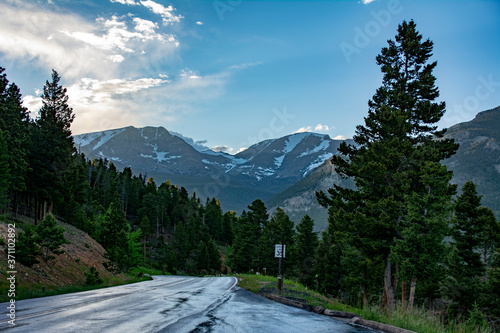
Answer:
(348, 317)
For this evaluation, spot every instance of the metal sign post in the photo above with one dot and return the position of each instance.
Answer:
(279, 252)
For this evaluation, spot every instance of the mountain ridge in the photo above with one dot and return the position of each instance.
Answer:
(477, 159)
(261, 171)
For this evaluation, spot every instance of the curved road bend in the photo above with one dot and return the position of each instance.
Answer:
(166, 304)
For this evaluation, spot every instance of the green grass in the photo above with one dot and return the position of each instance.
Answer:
(136, 271)
(420, 320)
(34, 291)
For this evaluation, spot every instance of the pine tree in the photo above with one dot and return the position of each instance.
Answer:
(52, 147)
(14, 125)
(246, 245)
(115, 234)
(51, 236)
(5, 178)
(420, 247)
(465, 268)
(27, 246)
(279, 230)
(228, 223)
(145, 229)
(306, 244)
(396, 139)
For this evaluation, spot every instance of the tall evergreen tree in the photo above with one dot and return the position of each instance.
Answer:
(5, 178)
(27, 246)
(246, 245)
(420, 248)
(15, 124)
(396, 139)
(306, 244)
(51, 236)
(53, 145)
(465, 268)
(279, 230)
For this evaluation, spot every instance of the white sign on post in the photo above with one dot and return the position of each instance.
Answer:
(277, 251)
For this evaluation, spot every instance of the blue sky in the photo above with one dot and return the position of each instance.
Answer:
(232, 73)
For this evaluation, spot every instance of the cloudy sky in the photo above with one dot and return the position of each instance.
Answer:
(231, 73)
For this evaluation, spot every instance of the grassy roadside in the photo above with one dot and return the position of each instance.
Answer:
(420, 320)
(26, 291)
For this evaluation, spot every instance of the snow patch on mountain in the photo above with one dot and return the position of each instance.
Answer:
(278, 161)
(293, 141)
(86, 139)
(324, 145)
(317, 162)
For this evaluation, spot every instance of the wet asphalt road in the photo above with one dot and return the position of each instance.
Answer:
(166, 304)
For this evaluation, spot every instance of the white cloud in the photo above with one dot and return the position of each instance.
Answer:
(365, 2)
(113, 66)
(339, 137)
(118, 36)
(77, 48)
(165, 12)
(199, 23)
(303, 129)
(222, 149)
(101, 105)
(126, 2)
(317, 128)
(321, 128)
(241, 149)
(33, 103)
(116, 58)
(145, 25)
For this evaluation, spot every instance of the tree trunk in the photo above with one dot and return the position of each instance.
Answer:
(44, 210)
(365, 297)
(144, 260)
(403, 296)
(36, 211)
(412, 294)
(388, 287)
(431, 303)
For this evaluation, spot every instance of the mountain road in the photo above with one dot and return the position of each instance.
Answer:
(166, 304)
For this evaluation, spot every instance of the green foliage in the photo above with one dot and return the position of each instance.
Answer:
(305, 246)
(27, 246)
(279, 230)
(134, 247)
(4, 174)
(472, 253)
(92, 277)
(115, 227)
(51, 236)
(246, 245)
(390, 163)
(52, 147)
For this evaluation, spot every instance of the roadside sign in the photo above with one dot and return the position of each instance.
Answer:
(277, 251)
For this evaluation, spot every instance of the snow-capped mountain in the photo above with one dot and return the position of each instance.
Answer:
(260, 171)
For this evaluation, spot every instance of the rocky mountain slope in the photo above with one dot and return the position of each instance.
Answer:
(478, 159)
(260, 171)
